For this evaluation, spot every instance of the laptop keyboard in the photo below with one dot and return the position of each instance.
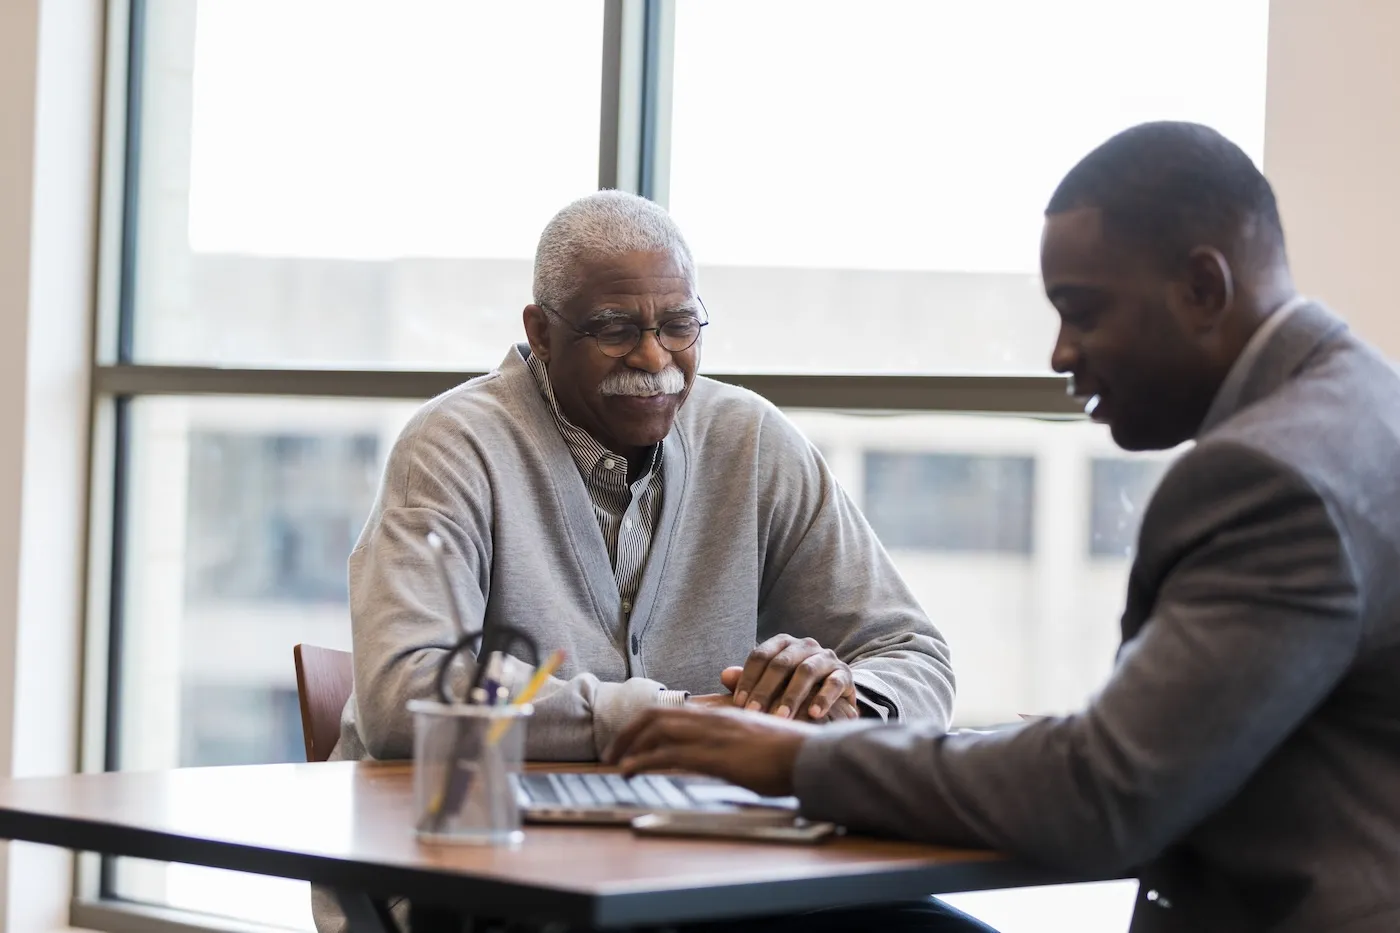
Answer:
(645, 791)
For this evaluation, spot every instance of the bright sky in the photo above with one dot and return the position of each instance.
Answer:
(899, 134)
(369, 130)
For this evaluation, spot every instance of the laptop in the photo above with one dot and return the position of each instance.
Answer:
(589, 797)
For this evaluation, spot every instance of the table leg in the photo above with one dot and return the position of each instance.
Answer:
(365, 914)
(438, 920)
(425, 919)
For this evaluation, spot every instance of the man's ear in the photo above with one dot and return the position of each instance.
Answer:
(537, 331)
(1209, 287)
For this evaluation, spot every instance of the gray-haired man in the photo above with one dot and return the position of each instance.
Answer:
(677, 537)
(655, 525)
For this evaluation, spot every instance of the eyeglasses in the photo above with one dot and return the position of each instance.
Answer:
(621, 338)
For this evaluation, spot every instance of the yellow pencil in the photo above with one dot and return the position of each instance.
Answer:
(542, 674)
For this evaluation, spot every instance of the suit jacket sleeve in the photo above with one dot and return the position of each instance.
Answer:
(826, 576)
(1256, 619)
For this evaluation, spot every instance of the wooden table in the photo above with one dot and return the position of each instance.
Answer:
(348, 825)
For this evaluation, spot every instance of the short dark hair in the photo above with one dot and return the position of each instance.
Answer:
(1171, 186)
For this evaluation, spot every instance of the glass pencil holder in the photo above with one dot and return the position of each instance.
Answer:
(466, 767)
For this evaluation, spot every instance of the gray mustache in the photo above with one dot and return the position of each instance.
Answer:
(670, 381)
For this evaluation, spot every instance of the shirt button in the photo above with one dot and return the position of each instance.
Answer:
(627, 524)
(627, 605)
(610, 463)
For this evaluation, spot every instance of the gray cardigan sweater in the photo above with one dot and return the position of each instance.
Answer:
(755, 538)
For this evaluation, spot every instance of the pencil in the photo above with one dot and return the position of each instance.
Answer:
(542, 674)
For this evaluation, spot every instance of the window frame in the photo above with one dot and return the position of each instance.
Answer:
(635, 116)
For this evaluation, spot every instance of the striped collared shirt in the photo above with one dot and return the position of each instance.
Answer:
(627, 513)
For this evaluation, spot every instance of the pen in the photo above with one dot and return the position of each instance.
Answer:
(435, 543)
(459, 774)
(494, 692)
(488, 691)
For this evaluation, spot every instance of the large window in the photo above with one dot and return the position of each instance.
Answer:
(863, 183)
(321, 213)
(350, 183)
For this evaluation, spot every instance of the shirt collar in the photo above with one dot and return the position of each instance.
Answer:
(587, 451)
(1227, 397)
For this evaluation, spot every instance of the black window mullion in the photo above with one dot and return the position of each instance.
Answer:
(125, 353)
(131, 182)
(647, 136)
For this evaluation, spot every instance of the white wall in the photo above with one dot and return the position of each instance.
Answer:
(1332, 151)
(49, 91)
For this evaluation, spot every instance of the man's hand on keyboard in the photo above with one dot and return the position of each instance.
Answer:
(757, 752)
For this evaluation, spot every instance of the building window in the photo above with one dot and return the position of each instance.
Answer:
(951, 502)
(302, 502)
(1120, 491)
(232, 724)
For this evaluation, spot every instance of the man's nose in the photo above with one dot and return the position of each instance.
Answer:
(1064, 358)
(649, 354)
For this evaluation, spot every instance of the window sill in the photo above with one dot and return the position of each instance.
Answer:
(114, 916)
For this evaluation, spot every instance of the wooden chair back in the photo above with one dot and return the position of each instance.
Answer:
(325, 678)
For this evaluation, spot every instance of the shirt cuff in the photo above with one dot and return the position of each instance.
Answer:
(614, 705)
(672, 698)
(874, 705)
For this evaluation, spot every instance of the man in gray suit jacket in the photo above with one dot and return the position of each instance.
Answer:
(1244, 757)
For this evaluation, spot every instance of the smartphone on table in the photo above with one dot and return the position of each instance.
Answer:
(744, 825)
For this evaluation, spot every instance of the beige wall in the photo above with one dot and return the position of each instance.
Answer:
(49, 91)
(1332, 150)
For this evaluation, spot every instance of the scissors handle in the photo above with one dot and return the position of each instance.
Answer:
(500, 638)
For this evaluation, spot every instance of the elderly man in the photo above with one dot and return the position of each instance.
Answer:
(678, 538)
(1244, 756)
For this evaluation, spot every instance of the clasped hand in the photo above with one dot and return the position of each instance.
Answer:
(792, 678)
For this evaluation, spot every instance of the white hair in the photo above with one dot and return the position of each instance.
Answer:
(605, 223)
